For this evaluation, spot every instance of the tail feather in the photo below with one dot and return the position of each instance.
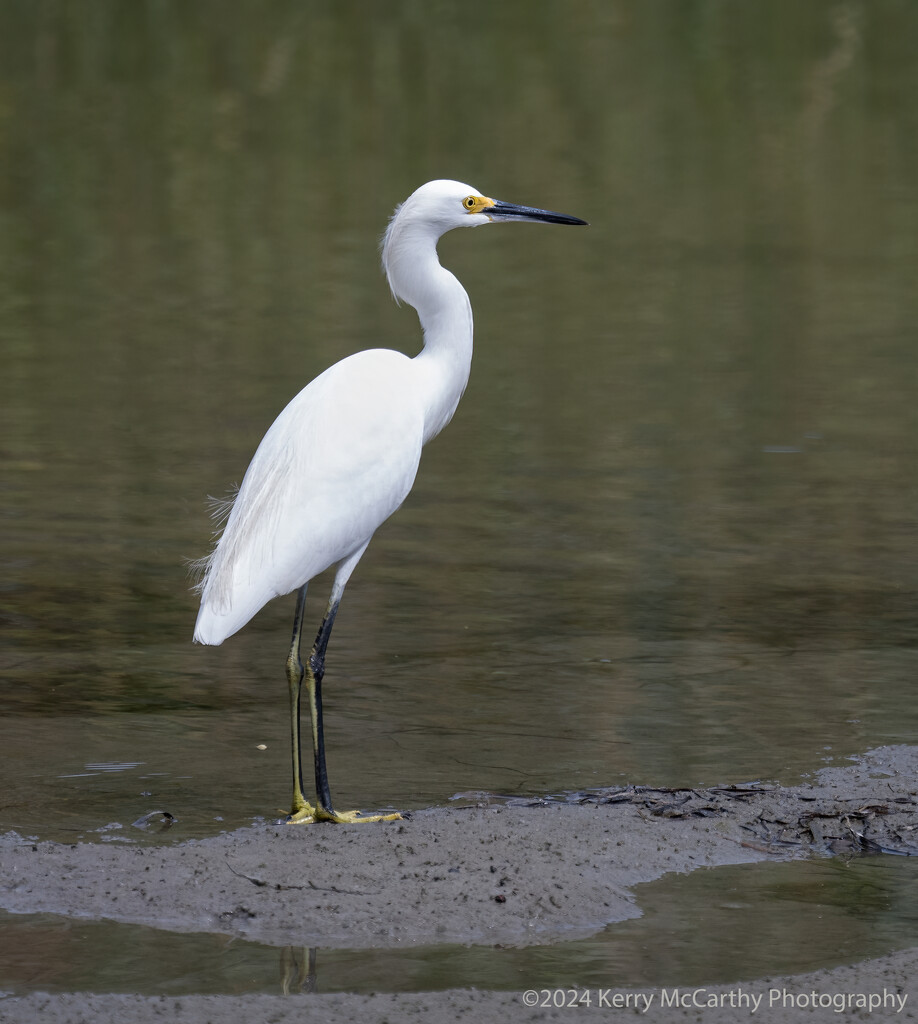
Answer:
(214, 623)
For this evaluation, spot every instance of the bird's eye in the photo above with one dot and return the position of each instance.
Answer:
(470, 203)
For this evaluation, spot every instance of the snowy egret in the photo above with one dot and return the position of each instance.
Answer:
(342, 457)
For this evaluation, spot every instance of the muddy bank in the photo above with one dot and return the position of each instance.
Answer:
(475, 874)
(480, 873)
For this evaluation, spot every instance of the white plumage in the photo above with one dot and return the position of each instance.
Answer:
(337, 462)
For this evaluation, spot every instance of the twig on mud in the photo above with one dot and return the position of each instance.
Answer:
(739, 792)
(767, 837)
(869, 846)
(261, 882)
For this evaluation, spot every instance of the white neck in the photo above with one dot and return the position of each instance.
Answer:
(416, 276)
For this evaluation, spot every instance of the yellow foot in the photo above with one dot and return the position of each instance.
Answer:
(349, 817)
(300, 818)
(304, 813)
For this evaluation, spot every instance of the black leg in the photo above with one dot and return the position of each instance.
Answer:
(314, 686)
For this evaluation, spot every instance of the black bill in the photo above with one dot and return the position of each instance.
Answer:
(509, 211)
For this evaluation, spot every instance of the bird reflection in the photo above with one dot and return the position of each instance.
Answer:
(298, 969)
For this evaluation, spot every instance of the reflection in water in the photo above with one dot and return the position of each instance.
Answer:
(695, 929)
(669, 537)
(298, 970)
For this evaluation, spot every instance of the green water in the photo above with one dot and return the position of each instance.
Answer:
(670, 535)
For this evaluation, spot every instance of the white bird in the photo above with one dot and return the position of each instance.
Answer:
(342, 457)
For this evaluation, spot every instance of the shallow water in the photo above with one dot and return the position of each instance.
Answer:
(669, 537)
(715, 925)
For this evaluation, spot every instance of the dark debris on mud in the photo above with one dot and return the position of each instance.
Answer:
(836, 825)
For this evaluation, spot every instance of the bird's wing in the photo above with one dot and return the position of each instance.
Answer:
(336, 463)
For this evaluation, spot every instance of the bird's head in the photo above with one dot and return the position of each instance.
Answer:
(438, 207)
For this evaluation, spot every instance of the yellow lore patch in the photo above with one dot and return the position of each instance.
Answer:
(477, 204)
